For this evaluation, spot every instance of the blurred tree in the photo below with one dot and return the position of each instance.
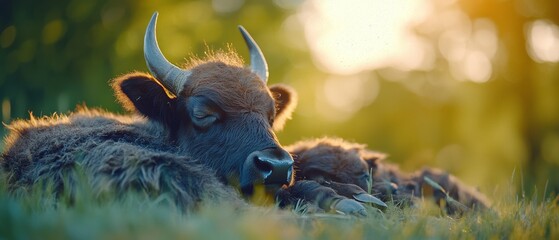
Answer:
(58, 53)
(533, 84)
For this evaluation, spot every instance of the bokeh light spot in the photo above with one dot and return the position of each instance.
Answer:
(477, 67)
(7, 36)
(543, 41)
(26, 51)
(53, 31)
(485, 36)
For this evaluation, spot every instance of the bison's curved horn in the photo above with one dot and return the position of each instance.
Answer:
(169, 75)
(258, 63)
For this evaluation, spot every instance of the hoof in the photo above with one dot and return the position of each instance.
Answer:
(350, 207)
(368, 198)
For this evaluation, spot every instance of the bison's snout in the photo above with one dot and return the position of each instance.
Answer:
(271, 166)
(274, 165)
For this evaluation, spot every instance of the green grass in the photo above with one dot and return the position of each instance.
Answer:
(37, 216)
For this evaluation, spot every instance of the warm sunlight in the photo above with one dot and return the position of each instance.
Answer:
(468, 46)
(349, 37)
(344, 96)
(543, 41)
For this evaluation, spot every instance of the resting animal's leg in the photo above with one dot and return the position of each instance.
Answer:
(312, 192)
(352, 192)
(464, 194)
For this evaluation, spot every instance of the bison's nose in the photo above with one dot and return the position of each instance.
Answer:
(274, 165)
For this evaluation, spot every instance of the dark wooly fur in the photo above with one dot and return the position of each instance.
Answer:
(191, 146)
(334, 161)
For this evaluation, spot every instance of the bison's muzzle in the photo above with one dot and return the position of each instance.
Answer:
(271, 166)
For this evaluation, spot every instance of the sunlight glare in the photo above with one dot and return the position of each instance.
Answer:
(355, 35)
(341, 97)
(543, 41)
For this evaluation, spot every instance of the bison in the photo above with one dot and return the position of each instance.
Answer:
(342, 165)
(198, 131)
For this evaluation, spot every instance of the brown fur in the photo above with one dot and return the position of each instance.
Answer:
(336, 160)
(237, 91)
(319, 157)
(245, 96)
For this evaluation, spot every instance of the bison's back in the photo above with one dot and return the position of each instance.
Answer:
(37, 145)
(115, 152)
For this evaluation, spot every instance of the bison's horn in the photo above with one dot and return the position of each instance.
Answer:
(169, 75)
(258, 63)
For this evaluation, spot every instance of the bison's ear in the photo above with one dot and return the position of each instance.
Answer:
(142, 93)
(286, 101)
(372, 158)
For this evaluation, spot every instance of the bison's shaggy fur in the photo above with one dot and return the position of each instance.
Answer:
(117, 153)
(333, 160)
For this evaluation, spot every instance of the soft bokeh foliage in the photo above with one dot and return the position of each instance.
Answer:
(470, 86)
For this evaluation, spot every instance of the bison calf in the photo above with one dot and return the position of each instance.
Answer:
(335, 161)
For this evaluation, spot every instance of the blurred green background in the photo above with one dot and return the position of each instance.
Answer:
(470, 86)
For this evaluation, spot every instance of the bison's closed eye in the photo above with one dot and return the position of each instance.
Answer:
(203, 120)
(203, 112)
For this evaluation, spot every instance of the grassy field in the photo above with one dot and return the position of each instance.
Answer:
(36, 216)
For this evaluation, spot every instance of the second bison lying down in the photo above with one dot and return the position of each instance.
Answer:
(340, 165)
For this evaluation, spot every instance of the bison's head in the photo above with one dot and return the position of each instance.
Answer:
(216, 111)
(332, 159)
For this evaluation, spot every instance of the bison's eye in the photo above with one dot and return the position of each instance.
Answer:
(200, 114)
(203, 112)
(203, 118)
